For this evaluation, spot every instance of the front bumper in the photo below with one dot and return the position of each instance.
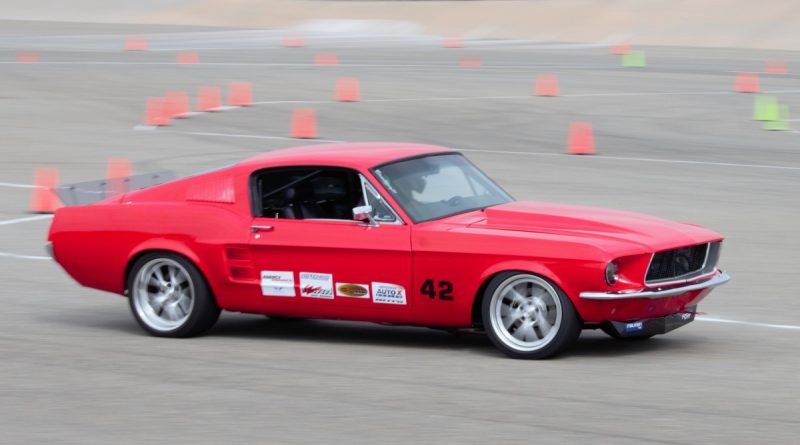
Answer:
(651, 326)
(653, 293)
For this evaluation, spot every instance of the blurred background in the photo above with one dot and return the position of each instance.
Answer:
(679, 109)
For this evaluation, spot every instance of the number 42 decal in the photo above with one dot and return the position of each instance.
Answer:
(445, 292)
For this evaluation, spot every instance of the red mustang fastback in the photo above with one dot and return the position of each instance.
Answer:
(390, 233)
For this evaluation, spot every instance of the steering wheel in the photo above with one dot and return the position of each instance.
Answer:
(454, 201)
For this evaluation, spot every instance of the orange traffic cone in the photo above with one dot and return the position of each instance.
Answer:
(209, 98)
(155, 112)
(116, 173)
(776, 67)
(135, 43)
(177, 104)
(747, 83)
(27, 57)
(326, 59)
(620, 49)
(304, 124)
(294, 41)
(469, 62)
(453, 42)
(187, 58)
(580, 140)
(118, 168)
(44, 198)
(347, 90)
(240, 94)
(546, 85)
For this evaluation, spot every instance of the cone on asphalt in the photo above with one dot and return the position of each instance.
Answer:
(117, 173)
(209, 98)
(240, 94)
(469, 62)
(634, 59)
(619, 49)
(348, 89)
(782, 122)
(156, 112)
(765, 108)
(177, 104)
(187, 58)
(326, 59)
(44, 198)
(293, 41)
(135, 43)
(304, 124)
(776, 67)
(27, 57)
(453, 42)
(580, 140)
(747, 83)
(546, 85)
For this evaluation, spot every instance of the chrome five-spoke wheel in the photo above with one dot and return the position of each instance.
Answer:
(169, 296)
(163, 294)
(527, 316)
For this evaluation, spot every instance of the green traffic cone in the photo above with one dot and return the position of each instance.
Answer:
(634, 59)
(780, 124)
(765, 108)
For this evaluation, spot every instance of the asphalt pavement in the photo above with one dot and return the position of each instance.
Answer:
(673, 140)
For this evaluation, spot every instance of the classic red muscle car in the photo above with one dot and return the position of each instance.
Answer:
(389, 233)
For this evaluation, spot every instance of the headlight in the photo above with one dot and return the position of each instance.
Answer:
(612, 273)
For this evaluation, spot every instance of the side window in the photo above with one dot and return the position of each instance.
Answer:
(307, 193)
(381, 211)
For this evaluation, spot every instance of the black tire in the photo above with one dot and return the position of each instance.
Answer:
(201, 315)
(283, 318)
(565, 331)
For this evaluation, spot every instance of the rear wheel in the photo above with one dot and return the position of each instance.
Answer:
(527, 316)
(169, 297)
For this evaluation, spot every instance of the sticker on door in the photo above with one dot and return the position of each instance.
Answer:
(388, 293)
(352, 290)
(316, 285)
(277, 283)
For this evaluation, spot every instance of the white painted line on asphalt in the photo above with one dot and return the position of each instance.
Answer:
(24, 257)
(623, 158)
(251, 136)
(145, 127)
(524, 153)
(749, 323)
(26, 219)
(20, 186)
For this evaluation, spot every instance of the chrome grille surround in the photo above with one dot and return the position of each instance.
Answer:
(681, 264)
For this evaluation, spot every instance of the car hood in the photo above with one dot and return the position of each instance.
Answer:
(591, 223)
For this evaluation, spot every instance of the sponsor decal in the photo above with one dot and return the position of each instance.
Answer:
(634, 327)
(352, 290)
(276, 283)
(316, 285)
(388, 293)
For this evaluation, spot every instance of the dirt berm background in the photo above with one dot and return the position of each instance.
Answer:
(722, 23)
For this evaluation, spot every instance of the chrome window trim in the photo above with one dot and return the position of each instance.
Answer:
(719, 278)
(366, 184)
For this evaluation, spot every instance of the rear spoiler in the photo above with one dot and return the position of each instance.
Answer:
(90, 192)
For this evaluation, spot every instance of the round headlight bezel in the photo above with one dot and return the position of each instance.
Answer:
(612, 273)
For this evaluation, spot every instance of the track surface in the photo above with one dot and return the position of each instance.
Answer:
(673, 141)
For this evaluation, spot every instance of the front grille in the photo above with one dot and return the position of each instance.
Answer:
(679, 263)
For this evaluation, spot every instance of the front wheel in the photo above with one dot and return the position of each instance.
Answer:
(527, 316)
(169, 297)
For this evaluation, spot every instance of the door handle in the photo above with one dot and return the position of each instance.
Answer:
(257, 229)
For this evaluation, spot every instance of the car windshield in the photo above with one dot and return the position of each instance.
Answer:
(436, 186)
